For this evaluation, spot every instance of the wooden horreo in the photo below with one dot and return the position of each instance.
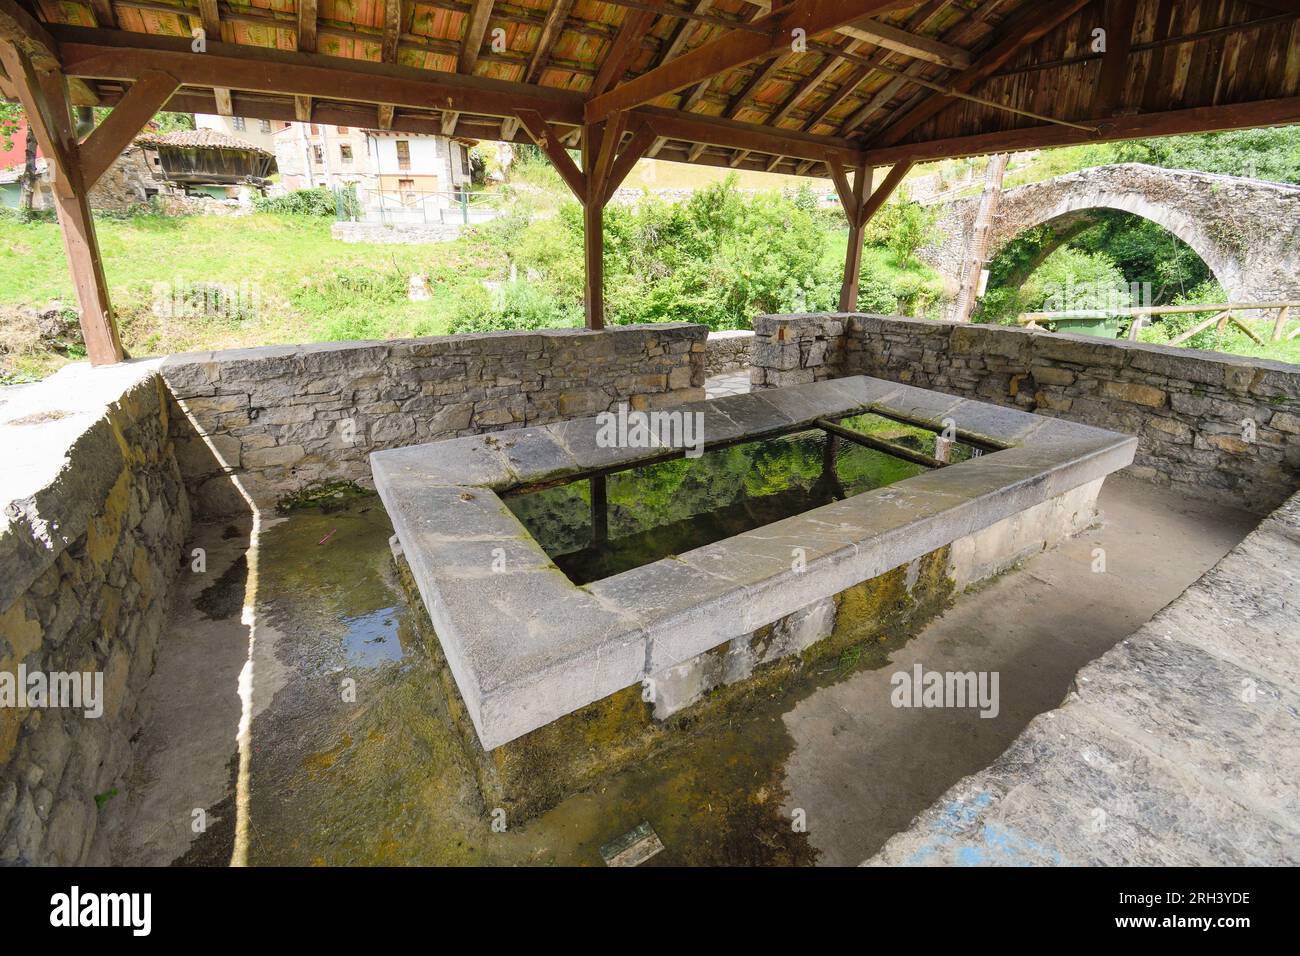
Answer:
(830, 88)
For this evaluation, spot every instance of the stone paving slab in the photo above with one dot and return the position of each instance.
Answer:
(1180, 746)
(527, 646)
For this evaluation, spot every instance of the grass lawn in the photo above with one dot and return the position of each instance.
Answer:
(306, 286)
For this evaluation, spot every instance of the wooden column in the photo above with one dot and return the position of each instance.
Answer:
(604, 167)
(45, 102)
(857, 225)
(860, 204)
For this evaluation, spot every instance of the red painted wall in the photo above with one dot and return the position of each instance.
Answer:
(15, 155)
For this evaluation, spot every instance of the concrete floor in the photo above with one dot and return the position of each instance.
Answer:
(862, 769)
(248, 728)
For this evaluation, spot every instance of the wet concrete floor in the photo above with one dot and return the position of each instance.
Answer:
(295, 718)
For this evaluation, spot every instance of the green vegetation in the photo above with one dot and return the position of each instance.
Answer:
(276, 276)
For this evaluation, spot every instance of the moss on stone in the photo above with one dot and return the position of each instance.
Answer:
(537, 771)
(325, 495)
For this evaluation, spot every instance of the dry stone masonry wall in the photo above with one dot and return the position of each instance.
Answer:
(1246, 230)
(1217, 426)
(280, 420)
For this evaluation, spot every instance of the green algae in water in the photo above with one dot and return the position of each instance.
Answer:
(671, 507)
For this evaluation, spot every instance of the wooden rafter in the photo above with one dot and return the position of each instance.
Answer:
(1119, 18)
(623, 50)
(910, 44)
(393, 15)
(476, 24)
(1028, 27)
(734, 49)
(306, 26)
(551, 28)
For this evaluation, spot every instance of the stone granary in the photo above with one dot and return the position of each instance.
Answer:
(138, 543)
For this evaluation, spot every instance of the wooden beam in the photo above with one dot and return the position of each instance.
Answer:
(471, 43)
(1119, 15)
(44, 99)
(734, 49)
(682, 33)
(550, 144)
(642, 139)
(384, 116)
(123, 124)
(730, 134)
(105, 15)
(306, 26)
(125, 56)
(606, 142)
(210, 16)
(222, 96)
(392, 30)
(301, 108)
(853, 199)
(551, 28)
(880, 196)
(627, 43)
(1025, 28)
(28, 35)
(879, 100)
(449, 120)
(910, 44)
(1204, 119)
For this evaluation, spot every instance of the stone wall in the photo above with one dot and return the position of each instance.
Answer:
(95, 522)
(1216, 426)
(282, 419)
(401, 234)
(728, 351)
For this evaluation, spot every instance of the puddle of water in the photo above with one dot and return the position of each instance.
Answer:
(671, 507)
(372, 639)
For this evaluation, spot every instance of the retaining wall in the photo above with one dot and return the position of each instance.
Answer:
(92, 540)
(1217, 426)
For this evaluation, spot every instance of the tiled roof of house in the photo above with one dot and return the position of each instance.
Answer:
(202, 139)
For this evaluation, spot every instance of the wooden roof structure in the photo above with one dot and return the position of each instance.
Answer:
(817, 87)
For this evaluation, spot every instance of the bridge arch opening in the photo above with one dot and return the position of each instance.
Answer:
(1097, 257)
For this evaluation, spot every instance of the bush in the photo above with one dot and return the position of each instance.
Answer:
(300, 202)
(517, 305)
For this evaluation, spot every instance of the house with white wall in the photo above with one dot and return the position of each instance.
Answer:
(397, 176)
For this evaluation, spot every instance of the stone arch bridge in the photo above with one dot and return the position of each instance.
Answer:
(1246, 230)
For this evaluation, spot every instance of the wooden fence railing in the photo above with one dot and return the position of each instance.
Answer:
(1222, 316)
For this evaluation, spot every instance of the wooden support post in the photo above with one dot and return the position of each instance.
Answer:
(853, 200)
(596, 149)
(44, 97)
(860, 204)
(604, 167)
(1280, 323)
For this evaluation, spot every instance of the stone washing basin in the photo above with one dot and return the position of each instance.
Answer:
(527, 646)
